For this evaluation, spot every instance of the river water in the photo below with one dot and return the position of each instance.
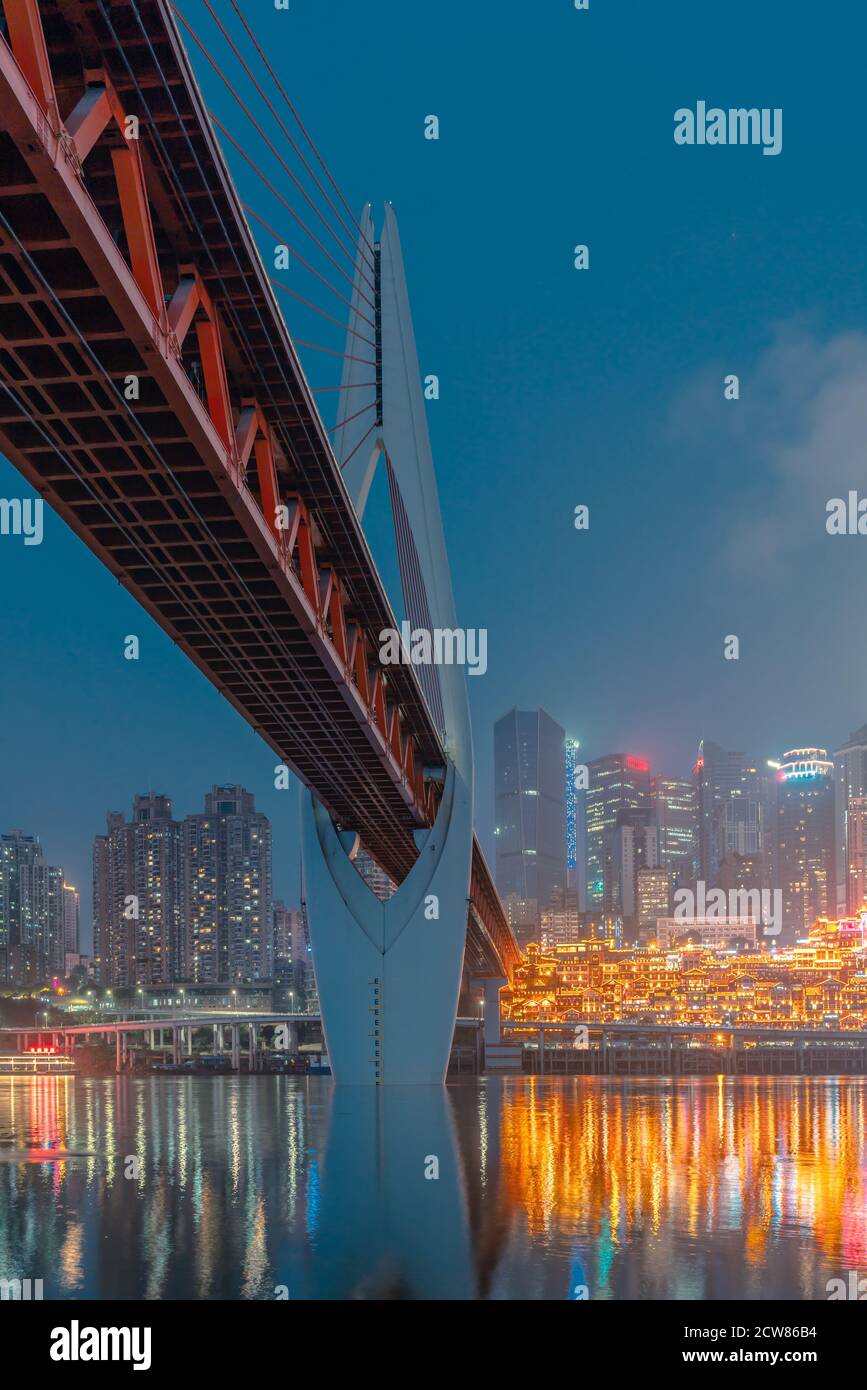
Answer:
(270, 1187)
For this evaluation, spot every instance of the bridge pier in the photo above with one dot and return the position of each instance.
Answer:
(236, 1047)
(389, 973)
(176, 1045)
(492, 1009)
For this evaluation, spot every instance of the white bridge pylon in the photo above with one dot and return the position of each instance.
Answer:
(389, 973)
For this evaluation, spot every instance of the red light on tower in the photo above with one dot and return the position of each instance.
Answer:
(638, 764)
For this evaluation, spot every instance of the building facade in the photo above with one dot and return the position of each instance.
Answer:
(850, 783)
(71, 920)
(729, 792)
(856, 854)
(530, 813)
(806, 839)
(184, 901)
(618, 783)
(137, 896)
(674, 813)
(227, 890)
(31, 912)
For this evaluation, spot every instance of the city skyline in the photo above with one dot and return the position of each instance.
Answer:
(628, 417)
(433, 832)
(290, 875)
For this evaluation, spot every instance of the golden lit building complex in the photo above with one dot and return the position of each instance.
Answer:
(820, 982)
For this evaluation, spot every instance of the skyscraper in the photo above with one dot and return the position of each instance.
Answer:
(571, 815)
(856, 854)
(729, 791)
(137, 896)
(31, 911)
(850, 781)
(530, 813)
(805, 838)
(618, 783)
(674, 811)
(227, 890)
(71, 920)
(652, 899)
(631, 846)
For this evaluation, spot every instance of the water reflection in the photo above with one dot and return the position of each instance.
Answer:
(230, 1187)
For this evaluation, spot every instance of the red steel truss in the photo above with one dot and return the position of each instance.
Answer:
(153, 396)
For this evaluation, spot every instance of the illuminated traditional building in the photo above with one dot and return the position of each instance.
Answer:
(701, 977)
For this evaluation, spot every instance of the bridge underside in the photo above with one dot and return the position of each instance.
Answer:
(102, 279)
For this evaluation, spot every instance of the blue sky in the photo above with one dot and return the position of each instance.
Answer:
(558, 387)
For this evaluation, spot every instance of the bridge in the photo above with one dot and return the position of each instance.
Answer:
(174, 1034)
(151, 393)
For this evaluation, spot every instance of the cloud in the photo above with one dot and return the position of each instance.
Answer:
(796, 437)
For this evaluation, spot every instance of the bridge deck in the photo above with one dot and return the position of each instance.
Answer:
(157, 487)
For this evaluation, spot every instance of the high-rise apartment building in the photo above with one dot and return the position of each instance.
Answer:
(291, 941)
(850, 782)
(617, 783)
(31, 912)
(806, 838)
(71, 920)
(530, 813)
(283, 931)
(137, 896)
(674, 813)
(227, 890)
(377, 880)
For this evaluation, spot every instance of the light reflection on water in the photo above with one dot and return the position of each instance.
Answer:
(696, 1188)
